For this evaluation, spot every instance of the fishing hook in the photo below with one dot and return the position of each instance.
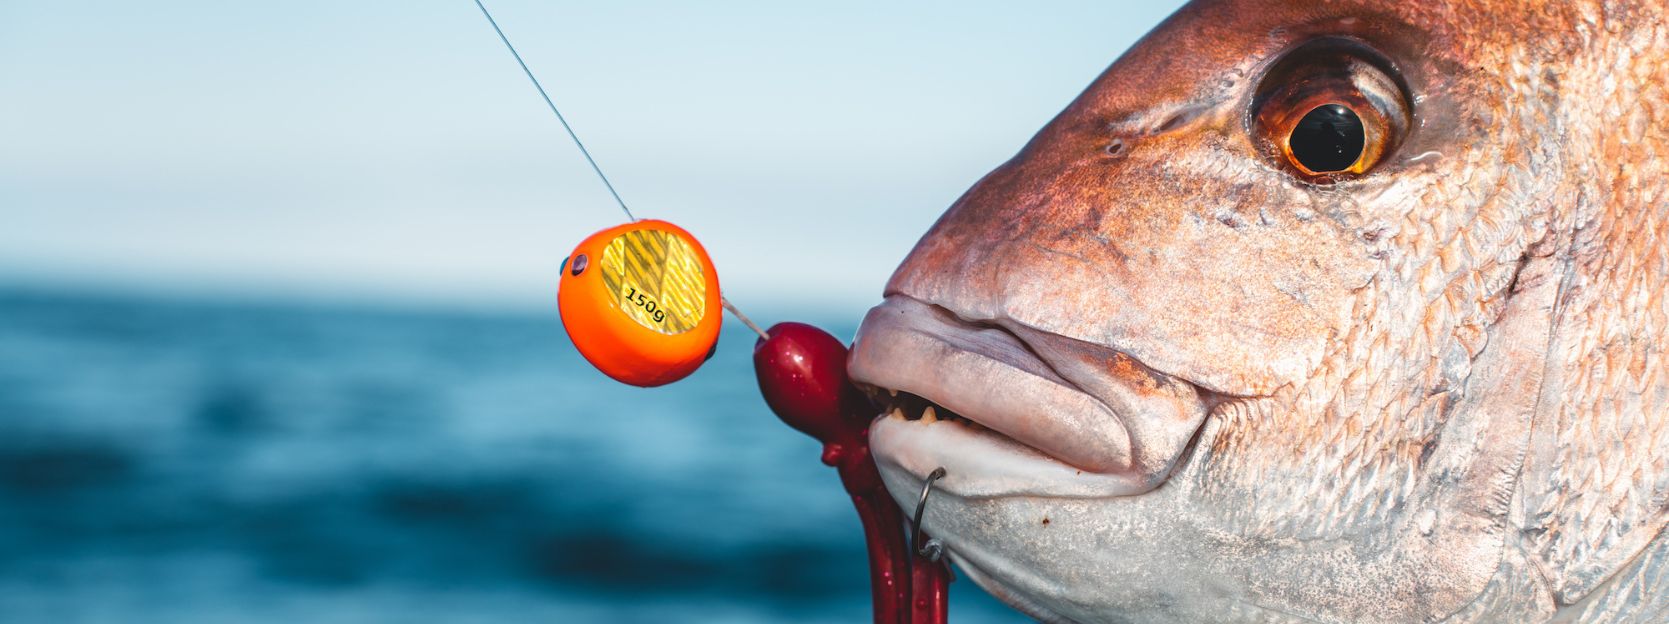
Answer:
(933, 549)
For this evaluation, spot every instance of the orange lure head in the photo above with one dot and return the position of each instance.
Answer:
(641, 302)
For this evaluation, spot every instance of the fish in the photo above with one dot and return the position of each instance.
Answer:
(1325, 312)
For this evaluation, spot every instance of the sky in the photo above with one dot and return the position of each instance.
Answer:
(394, 149)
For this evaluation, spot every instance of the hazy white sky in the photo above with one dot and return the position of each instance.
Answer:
(394, 148)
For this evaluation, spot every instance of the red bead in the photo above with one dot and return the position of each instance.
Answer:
(802, 373)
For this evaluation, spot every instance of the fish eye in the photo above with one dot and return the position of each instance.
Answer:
(1328, 139)
(1330, 110)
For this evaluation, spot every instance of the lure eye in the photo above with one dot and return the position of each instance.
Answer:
(1330, 110)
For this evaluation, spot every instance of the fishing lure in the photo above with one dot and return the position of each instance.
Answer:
(641, 302)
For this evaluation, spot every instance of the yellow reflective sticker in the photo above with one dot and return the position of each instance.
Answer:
(655, 278)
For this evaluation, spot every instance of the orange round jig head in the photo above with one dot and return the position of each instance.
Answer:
(641, 302)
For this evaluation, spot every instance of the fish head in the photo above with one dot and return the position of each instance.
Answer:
(1213, 343)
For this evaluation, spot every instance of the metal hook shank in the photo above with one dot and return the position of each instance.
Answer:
(933, 549)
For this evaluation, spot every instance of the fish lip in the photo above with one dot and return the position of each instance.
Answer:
(1089, 444)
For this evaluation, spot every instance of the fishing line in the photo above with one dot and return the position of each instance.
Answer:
(587, 153)
(558, 113)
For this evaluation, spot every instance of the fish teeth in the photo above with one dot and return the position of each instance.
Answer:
(928, 416)
(897, 413)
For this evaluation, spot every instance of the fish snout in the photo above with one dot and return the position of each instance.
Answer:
(1008, 408)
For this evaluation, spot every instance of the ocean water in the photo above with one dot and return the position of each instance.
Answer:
(187, 461)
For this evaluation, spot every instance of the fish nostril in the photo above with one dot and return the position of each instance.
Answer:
(1114, 149)
(1179, 119)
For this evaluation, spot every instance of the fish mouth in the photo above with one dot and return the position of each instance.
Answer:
(1011, 410)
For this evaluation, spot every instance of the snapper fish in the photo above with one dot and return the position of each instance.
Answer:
(1346, 311)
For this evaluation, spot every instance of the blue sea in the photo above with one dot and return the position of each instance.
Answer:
(179, 461)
